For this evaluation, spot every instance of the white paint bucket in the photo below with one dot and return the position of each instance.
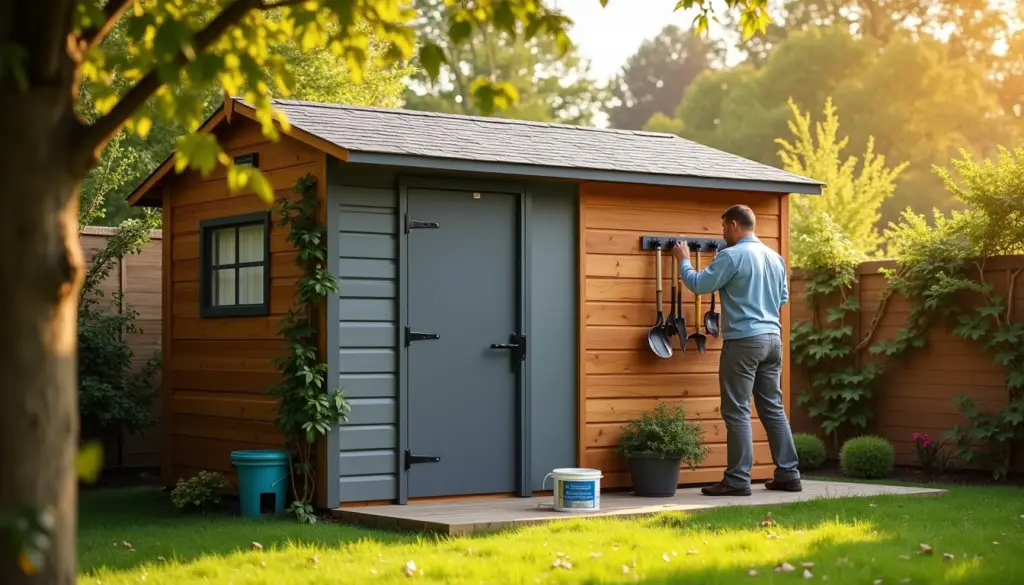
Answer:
(576, 489)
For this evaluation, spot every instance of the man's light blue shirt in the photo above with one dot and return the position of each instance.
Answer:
(752, 281)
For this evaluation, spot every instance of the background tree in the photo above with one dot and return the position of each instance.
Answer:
(933, 105)
(180, 50)
(654, 78)
(852, 196)
(552, 83)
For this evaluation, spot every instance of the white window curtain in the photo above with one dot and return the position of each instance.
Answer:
(224, 287)
(250, 243)
(224, 247)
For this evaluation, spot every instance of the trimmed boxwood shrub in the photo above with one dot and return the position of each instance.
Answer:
(810, 450)
(867, 457)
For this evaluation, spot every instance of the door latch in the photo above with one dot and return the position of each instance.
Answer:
(411, 459)
(412, 224)
(517, 343)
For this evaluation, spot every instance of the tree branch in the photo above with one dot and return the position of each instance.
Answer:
(92, 37)
(94, 137)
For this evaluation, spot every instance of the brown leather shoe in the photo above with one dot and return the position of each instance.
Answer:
(720, 489)
(792, 485)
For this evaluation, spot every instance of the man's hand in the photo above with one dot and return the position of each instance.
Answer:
(681, 251)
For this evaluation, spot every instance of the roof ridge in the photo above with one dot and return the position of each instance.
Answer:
(468, 118)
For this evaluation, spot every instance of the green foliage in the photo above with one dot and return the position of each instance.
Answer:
(942, 269)
(652, 82)
(810, 451)
(111, 397)
(840, 391)
(744, 109)
(852, 196)
(201, 491)
(549, 84)
(867, 457)
(306, 410)
(667, 432)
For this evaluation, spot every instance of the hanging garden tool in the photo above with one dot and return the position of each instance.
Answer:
(656, 336)
(670, 325)
(677, 291)
(712, 320)
(698, 338)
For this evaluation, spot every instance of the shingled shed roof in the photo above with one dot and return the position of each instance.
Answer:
(498, 146)
(374, 135)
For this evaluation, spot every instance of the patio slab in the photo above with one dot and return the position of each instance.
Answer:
(498, 514)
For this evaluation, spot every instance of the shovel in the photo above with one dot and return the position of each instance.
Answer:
(712, 323)
(698, 338)
(656, 337)
(679, 320)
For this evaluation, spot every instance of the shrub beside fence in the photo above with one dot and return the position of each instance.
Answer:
(916, 391)
(137, 277)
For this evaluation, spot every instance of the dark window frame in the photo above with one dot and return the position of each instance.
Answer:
(206, 229)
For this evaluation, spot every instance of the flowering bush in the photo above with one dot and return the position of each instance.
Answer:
(930, 454)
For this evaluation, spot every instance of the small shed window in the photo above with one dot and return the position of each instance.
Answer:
(235, 265)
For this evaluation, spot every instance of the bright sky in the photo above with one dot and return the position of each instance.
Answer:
(608, 36)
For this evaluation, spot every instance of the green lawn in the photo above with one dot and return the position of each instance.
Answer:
(855, 541)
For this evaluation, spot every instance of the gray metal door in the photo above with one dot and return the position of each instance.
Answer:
(463, 287)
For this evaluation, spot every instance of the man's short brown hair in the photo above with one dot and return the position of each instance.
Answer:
(742, 215)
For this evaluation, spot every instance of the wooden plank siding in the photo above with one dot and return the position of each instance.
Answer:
(916, 392)
(137, 278)
(619, 376)
(218, 368)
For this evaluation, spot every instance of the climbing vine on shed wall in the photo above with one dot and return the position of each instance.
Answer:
(306, 410)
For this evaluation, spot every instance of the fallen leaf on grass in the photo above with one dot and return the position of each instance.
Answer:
(924, 549)
(905, 580)
(594, 555)
(255, 545)
(808, 574)
(665, 557)
(314, 559)
(784, 567)
(807, 565)
(373, 571)
(752, 572)
(625, 570)
(995, 542)
(904, 558)
(410, 569)
(127, 545)
(692, 551)
(877, 582)
(948, 556)
(161, 559)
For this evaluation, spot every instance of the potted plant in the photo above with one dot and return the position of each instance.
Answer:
(656, 445)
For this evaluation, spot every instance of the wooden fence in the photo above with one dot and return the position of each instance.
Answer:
(137, 277)
(917, 390)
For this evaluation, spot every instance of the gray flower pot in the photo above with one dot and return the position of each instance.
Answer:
(654, 475)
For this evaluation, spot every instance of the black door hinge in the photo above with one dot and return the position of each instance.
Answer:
(411, 459)
(411, 336)
(412, 224)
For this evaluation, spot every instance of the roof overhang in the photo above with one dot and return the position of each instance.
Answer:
(146, 194)
(580, 174)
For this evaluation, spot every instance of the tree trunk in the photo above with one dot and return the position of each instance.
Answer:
(41, 268)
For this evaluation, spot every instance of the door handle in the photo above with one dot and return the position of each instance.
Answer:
(504, 345)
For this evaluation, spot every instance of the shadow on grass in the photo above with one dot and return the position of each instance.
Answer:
(145, 519)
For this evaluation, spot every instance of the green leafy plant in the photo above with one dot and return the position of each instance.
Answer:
(306, 410)
(810, 450)
(867, 457)
(824, 346)
(665, 432)
(111, 396)
(202, 491)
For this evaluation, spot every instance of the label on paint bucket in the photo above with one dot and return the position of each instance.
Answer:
(577, 494)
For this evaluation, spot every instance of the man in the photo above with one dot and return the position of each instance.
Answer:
(752, 281)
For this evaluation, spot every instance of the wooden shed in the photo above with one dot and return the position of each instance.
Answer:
(449, 235)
